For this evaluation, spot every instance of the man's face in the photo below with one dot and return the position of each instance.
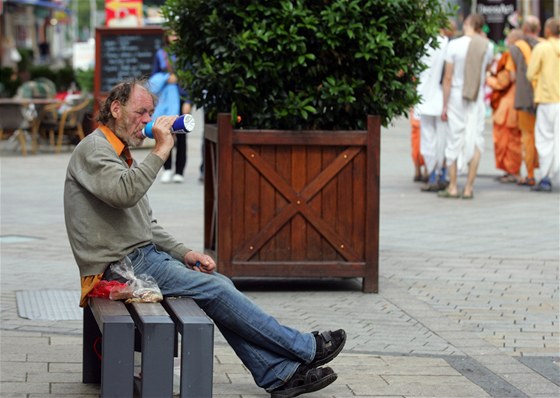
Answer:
(131, 118)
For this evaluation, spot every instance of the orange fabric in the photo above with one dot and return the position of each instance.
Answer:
(506, 134)
(501, 83)
(89, 282)
(525, 50)
(115, 141)
(510, 64)
(503, 94)
(526, 122)
(417, 158)
(507, 148)
(128, 156)
(505, 113)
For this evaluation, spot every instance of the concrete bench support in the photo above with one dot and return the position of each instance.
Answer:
(197, 346)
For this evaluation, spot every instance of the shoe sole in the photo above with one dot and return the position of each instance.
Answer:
(330, 357)
(318, 385)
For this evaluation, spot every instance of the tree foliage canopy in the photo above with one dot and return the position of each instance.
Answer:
(303, 64)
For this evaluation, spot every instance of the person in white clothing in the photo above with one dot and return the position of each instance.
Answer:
(433, 130)
(466, 61)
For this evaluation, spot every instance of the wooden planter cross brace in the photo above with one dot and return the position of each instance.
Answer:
(293, 203)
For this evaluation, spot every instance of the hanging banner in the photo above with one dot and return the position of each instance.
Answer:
(500, 16)
(123, 13)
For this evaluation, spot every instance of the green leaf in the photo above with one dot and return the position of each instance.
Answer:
(295, 63)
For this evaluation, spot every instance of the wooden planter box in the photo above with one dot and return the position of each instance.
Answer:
(293, 203)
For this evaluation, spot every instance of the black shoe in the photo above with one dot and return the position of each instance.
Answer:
(329, 344)
(431, 188)
(305, 380)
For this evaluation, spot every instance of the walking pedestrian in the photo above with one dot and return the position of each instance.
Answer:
(173, 99)
(433, 129)
(544, 70)
(467, 60)
(524, 96)
(506, 133)
(420, 174)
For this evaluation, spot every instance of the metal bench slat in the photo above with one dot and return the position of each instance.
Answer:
(197, 346)
(111, 321)
(158, 338)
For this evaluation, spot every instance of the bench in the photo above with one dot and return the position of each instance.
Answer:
(153, 328)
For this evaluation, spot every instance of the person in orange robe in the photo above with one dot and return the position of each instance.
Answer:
(420, 173)
(506, 132)
(524, 101)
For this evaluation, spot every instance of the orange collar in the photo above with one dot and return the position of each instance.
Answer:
(115, 141)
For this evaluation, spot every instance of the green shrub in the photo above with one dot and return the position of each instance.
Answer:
(62, 77)
(303, 64)
(8, 83)
(65, 77)
(84, 78)
(26, 60)
(43, 71)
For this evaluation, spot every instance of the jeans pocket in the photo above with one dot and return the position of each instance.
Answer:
(138, 260)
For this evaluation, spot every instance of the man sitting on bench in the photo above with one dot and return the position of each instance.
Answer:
(108, 217)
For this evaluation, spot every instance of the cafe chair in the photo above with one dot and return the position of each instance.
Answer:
(19, 117)
(64, 121)
(11, 120)
(40, 87)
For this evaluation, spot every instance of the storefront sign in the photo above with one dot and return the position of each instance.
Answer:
(499, 16)
(123, 13)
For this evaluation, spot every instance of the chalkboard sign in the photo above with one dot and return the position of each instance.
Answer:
(122, 53)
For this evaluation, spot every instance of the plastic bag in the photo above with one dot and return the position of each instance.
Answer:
(103, 288)
(137, 289)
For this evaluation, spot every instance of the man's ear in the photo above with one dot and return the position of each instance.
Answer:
(116, 109)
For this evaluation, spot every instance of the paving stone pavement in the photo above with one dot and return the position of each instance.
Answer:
(468, 301)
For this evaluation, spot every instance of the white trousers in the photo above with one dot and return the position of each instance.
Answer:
(433, 139)
(466, 129)
(547, 139)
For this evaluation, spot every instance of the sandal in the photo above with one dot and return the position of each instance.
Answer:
(431, 188)
(499, 178)
(329, 344)
(528, 182)
(446, 195)
(471, 196)
(305, 380)
(508, 178)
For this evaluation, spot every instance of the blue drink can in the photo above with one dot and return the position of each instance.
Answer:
(182, 125)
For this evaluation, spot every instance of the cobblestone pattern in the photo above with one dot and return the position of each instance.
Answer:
(468, 301)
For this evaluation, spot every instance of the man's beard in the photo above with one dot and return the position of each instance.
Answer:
(131, 140)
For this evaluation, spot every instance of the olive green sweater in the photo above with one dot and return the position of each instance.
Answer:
(106, 209)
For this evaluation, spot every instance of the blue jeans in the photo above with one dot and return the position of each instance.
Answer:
(271, 351)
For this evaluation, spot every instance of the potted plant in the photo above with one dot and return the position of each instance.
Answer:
(292, 163)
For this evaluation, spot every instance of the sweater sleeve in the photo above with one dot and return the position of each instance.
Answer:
(109, 178)
(166, 242)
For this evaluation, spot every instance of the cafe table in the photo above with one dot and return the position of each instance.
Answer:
(20, 115)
